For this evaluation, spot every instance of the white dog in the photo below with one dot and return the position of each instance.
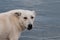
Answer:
(13, 22)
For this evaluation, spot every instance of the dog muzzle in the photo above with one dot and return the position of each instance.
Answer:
(29, 27)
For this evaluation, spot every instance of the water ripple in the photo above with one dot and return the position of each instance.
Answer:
(34, 37)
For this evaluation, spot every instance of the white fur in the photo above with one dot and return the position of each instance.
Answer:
(11, 25)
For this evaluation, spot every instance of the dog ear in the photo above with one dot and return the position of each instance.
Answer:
(17, 14)
(34, 12)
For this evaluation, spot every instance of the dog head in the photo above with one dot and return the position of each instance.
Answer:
(26, 18)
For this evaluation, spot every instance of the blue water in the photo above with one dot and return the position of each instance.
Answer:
(47, 22)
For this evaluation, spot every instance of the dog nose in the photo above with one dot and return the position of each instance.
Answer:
(29, 26)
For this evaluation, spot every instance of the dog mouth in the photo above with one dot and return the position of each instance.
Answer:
(29, 27)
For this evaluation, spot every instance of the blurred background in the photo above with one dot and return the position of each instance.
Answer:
(47, 22)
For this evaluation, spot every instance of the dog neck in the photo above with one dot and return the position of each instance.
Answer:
(15, 21)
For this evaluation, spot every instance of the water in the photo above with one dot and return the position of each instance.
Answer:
(47, 22)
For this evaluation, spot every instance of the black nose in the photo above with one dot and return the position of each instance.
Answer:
(29, 26)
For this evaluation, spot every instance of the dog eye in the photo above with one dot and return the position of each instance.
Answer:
(32, 17)
(25, 17)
